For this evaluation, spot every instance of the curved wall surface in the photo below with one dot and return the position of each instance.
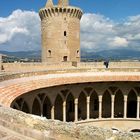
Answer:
(16, 87)
(94, 98)
(60, 28)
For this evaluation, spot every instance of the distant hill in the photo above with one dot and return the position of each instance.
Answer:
(23, 54)
(118, 54)
(111, 54)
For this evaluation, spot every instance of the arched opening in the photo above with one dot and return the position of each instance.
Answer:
(68, 10)
(94, 105)
(60, 10)
(82, 106)
(19, 102)
(132, 105)
(58, 109)
(65, 10)
(106, 105)
(25, 107)
(36, 108)
(49, 53)
(70, 108)
(47, 108)
(15, 106)
(56, 10)
(119, 105)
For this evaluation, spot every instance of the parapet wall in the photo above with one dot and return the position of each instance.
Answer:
(19, 67)
(23, 67)
(129, 64)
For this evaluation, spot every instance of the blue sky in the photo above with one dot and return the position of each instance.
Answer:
(106, 24)
(114, 9)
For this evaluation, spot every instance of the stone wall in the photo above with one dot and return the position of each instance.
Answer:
(43, 129)
(19, 67)
(127, 64)
(96, 66)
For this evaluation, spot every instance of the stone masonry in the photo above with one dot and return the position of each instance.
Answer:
(16, 125)
(60, 27)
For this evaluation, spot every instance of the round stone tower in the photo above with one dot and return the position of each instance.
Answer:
(60, 26)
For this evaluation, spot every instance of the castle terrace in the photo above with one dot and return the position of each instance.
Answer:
(95, 96)
(63, 88)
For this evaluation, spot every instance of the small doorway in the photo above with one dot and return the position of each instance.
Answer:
(65, 58)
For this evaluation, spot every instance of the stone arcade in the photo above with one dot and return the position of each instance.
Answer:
(78, 102)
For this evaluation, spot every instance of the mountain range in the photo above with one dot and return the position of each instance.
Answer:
(105, 54)
(118, 54)
(23, 54)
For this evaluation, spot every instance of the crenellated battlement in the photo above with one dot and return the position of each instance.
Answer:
(56, 11)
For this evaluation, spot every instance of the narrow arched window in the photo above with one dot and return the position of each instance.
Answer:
(65, 33)
(49, 52)
(77, 53)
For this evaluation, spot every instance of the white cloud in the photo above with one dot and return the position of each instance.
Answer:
(119, 42)
(94, 31)
(136, 37)
(3, 38)
(21, 31)
(101, 33)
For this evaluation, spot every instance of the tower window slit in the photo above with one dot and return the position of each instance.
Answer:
(77, 53)
(65, 33)
(49, 51)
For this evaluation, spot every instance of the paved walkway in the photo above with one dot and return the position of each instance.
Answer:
(67, 75)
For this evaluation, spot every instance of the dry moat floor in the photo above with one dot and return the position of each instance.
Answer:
(16, 125)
